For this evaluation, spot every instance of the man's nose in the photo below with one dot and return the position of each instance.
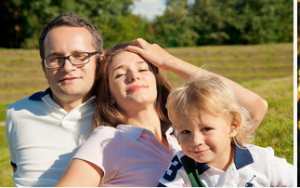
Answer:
(68, 66)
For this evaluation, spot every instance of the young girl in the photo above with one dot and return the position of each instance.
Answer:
(136, 143)
(213, 129)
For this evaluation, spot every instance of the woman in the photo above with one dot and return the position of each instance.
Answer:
(136, 144)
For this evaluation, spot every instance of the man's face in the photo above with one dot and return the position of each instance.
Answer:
(70, 85)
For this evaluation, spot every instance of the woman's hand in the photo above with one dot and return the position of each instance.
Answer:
(153, 53)
(256, 105)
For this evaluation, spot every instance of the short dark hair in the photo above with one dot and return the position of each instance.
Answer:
(72, 20)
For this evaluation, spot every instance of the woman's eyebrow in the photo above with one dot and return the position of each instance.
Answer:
(137, 62)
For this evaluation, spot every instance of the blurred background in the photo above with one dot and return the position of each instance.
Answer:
(248, 41)
(170, 23)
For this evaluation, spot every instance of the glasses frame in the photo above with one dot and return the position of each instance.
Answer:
(68, 58)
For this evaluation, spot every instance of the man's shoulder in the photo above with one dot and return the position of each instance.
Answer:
(39, 95)
(29, 99)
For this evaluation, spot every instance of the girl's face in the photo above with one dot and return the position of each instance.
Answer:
(132, 82)
(206, 138)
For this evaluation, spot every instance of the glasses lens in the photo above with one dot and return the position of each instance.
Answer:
(54, 62)
(76, 59)
(80, 58)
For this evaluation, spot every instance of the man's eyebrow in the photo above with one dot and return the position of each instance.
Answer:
(62, 55)
(54, 54)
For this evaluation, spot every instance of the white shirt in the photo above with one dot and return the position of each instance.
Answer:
(254, 166)
(129, 156)
(42, 137)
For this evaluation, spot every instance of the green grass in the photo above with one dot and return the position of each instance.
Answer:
(6, 171)
(265, 69)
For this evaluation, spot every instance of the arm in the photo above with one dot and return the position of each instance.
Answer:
(256, 105)
(8, 132)
(81, 173)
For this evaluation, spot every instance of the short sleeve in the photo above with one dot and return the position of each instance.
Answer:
(282, 172)
(9, 132)
(103, 149)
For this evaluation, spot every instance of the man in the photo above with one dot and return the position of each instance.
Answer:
(44, 130)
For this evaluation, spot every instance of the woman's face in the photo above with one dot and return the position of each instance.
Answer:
(132, 82)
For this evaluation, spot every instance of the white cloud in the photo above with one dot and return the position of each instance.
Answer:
(148, 8)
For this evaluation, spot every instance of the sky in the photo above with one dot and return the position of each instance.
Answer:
(150, 8)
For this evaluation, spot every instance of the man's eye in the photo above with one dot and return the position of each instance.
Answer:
(54, 59)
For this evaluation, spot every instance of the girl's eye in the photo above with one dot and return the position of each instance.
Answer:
(185, 132)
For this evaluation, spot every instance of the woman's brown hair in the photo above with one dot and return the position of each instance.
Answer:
(107, 113)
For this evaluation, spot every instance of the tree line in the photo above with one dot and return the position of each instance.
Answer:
(203, 22)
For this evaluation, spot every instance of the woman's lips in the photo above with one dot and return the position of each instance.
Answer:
(136, 87)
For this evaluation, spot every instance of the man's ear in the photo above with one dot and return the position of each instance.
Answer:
(44, 69)
(102, 58)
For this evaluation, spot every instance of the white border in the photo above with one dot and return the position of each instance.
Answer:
(295, 93)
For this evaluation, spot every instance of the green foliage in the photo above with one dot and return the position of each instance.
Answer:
(174, 28)
(243, 21)
(24, 20)
(204, 22)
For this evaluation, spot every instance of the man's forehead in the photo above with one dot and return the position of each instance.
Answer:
(67, 40)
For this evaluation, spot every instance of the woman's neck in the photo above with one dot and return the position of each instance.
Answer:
(148, 119)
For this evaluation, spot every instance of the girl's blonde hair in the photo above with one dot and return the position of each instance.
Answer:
(210, 95)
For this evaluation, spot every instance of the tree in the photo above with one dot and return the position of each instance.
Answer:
(173, 28)
(243, 21)
(23, 20)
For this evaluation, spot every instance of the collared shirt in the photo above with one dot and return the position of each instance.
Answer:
(129, 156)
(42, 137)
(253, 166)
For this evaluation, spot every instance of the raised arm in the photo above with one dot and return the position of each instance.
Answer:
(81, 173)
(256, 105)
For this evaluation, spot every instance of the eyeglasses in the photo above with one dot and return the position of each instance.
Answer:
(76, 59)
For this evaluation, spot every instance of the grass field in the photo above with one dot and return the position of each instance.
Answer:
(264, 69)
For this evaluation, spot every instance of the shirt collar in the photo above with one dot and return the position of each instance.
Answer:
(39, 95)
(131, 131)
(135, 132)
(242, 157)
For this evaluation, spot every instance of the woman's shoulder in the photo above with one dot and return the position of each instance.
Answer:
(104, 129)
(104, 133)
